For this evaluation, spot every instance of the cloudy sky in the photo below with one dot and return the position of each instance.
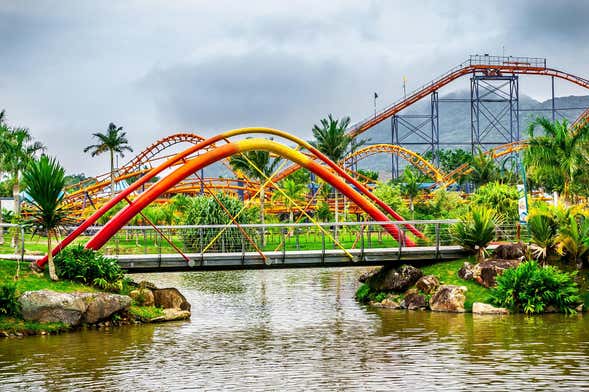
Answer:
(68, 68)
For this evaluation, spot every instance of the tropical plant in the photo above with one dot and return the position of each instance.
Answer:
(44, 180)
(290, 195)
(543, 229)
(484, 169)
(410, 188)
(558, 157)
(17, 150)
(323, 212)
(531, 288)
(502, 198)
(476, 230)
(87, 266)
(333, 141)
(256, 165)
(573, 239)
(370, 174)
(390, 195)
(9, 305)
(115, 142)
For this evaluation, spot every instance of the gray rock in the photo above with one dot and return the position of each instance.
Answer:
(46, 306)
(170, 298)
(467, 271)
(482, 308)
(428, 284)
(143, 297)
(102, 305)
(176, 314)
(448, 298)
(413, 301)
(510, 251)
(391, 279)
(486, 272)
(364, 277)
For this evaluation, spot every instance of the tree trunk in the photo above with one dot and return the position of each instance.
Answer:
(1, 228)
(411, 208)
(112, 173)
(263, 231)
(16, 198)
(52, 273)
(336, 214)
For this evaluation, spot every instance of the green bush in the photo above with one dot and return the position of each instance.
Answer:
(89, 267)
(531, 288)
(502, 198)
(8, 299)
(476, 230)
(363, 293)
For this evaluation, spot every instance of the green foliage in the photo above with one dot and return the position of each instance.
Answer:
(391, 196)
(573, 239)
(484, 169)
(476, 230)
(502, 198)
(450, 159)
(331, 137)
(205, 210)
(442, 205)
(323, 212)
(8, 299)
(89, 267)
(145, 313)
(362, 293)
(531, 288)
(372, 174)
(543, 228)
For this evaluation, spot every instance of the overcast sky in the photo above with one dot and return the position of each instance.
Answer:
(68, 68)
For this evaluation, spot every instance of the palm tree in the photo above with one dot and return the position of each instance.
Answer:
(484, 169)
(558, 157)
(475, 231)
(113, 141)
(292, 192)
(257, 165)
(332, 140)
(44, 180)
(17, 150)
(410, 188)
(573, 239)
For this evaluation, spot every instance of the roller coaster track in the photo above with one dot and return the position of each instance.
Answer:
(412, 157)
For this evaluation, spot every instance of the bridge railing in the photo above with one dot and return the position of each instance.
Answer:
(282, 237)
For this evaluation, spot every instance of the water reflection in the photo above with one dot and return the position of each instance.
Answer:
(301, 329)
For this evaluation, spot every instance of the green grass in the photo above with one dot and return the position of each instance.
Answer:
(145, 313)
(13, 325)
(447, 272)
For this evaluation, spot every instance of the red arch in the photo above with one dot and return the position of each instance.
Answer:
(222, 152)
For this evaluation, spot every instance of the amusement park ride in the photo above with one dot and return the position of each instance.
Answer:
(182, 172)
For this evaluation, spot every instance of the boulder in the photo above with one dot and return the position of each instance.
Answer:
(390, 302)
(428, 284)
(170, 298)
(391, 279)
(143, 297)
(467, 271)
(485, 272)
(102, 305)
(510, 251)
(47, 306)
(413, 301)
(176, 314)
(481, 308)
(364, 277)
(448, 298)
(70, 308)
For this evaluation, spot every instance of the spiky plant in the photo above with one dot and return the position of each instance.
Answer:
(476, 230)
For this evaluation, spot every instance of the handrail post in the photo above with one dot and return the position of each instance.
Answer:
(401, 239)
(22, 243)
(361, 243)
(283, 232)
(322, 246)
(437, 241)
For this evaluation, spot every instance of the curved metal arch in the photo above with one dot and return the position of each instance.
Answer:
(410, 156)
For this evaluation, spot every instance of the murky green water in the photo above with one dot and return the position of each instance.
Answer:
(302, 330)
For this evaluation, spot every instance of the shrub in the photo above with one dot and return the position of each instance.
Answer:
(363, 293)
(502, 198)
(87, 266)
(531, 288)
(543, 229)
(8, 299)
(476, 230)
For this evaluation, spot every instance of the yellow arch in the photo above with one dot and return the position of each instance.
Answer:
(410, 156)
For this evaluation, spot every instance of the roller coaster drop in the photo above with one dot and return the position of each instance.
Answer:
(206, 151)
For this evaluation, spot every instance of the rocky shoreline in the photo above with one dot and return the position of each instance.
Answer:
(78, 310)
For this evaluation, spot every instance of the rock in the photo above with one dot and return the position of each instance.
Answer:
(390, 303)
(391, 279)
(510, 252)
(481, 308)
(467, 271)
(46, 306)
(448, 298)
(428, 284)
(364, 277)
(144, 284)
(102, 305)
(170, 298)
(70, 308)
(413, 301)
(176, 314)
(485, 272)
(551, 309)
(580, 308)
(143, 297)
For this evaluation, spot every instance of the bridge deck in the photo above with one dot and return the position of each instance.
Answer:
(289, 259)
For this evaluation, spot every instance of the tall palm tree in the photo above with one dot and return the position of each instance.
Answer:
(331, 139)
(44, 180)
(410, 188)
(484, 169)
(17, 151)
(559, 156)
(292, 192)
(257, 165)
(115, 142)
